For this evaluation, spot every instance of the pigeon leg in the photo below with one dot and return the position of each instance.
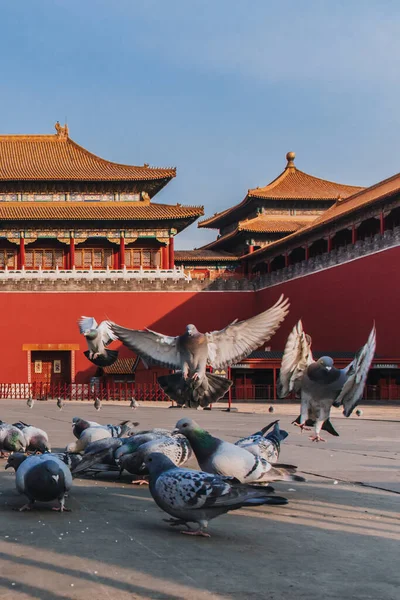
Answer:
(317, 437)
(176, 522)
(27, 506)
(195, 376)
(302, 427)
(199, 532)
(61, 508)
(139, 482)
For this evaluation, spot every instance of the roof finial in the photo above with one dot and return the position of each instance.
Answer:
(290, 156)
(62, 132)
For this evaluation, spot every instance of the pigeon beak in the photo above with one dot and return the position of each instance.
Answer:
(56, 478)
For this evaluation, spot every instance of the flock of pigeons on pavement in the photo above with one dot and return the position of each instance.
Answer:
(232, 476)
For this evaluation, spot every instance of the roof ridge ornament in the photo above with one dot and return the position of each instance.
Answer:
(290, 156)
(62, 132)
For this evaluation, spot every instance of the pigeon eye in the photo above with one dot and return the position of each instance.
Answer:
(184, 425)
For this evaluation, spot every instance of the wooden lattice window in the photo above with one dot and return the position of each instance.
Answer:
(97, 258)
(48, 258)
(142, 257)
(8, 258)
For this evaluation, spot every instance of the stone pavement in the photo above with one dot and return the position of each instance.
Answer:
(337, 538)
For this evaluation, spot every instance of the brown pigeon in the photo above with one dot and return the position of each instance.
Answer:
(192, 352)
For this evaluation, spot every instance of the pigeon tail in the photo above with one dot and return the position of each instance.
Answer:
(267, 500)
(88, 460)
(193, 394)
(103, 361)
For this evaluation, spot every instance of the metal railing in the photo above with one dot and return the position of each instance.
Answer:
(109, 391)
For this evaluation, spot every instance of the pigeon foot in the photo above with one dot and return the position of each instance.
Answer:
(317, 438)
(302, 427)
(199, 532)
(61, 509)
(24, 508)
(139, 482)
(195, 377)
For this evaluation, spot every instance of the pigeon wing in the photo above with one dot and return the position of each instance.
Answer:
(162, 349)
(357, 372)
(296, 358)
(105, 332)
(86, 323)
(240, 338)
(184, 489)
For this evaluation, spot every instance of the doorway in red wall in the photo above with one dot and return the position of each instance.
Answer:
(51, 367)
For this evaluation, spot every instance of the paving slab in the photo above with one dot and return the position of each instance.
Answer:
(337, 538)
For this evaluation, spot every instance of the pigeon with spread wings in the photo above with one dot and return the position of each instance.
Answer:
(98, 337)
(192, 352)
(319, 383)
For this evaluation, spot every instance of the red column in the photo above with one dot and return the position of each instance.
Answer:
(307, 252)
(287, 262)
(164, 257)
(329, 243)
(250, 248)
(353, 234)
(268, 266)
(381, 223)
(171, 252)
(71, 251)
(274, 383)
(21, 257)
(122, 251)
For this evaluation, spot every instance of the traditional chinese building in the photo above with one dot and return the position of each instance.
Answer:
(266, 214)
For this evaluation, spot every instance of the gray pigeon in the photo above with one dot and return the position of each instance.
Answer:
(42, 478)
(79, 425)
(223, 458)
(97, 403)
(195, 497)
(191, 352)
(30, 402)
(133, 404)
(60, 403)
(265, 443)
(319, 383)
(98, 337)
(36, 439)
(11, 439)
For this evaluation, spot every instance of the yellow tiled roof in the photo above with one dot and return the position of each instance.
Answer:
(103, 211)
(57, 157)
(270, 223)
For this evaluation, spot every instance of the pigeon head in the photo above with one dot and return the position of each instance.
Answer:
(186, 427)
(16, 441)
(15, 459)
(157, 463)
(191, 329)
(90, 334)
(326, 362)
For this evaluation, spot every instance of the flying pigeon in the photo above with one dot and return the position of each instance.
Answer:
(191, 352)
(265, 443)
(42, 478)
(97, 403)
(30, 402)
(60, 403)
(223, 458)
(319, 383)
(11, 439)
(195, 497)
(36, 439)
(98, 337)
(133, 403)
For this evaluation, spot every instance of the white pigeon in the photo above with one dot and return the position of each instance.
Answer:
(319, 383)
(98, 337)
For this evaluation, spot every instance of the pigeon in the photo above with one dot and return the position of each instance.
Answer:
(36, 439)
(60, 403)
(265, 443)
(176, 447)
(133, 404)
(223, 458)
(71, 460)
(78, 425)
(30, 402)
(99, 452)
(359, 412)
(196, 497)
(271, 409)
(98, 337)
(11, 439)
(319, 383)
(99, 432)
(97, 403)
(42, 478)
(191, 352)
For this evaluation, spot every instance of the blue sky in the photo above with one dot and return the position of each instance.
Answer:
(221, 89)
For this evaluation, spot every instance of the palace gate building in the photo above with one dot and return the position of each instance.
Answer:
(80, 235)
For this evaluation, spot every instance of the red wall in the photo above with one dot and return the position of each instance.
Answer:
(338, 305)
(42, 318)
